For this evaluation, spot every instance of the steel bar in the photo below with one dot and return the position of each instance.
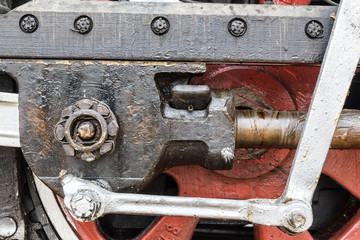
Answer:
(88, 201)
(282, 129)
(340, 62)
(121, 30)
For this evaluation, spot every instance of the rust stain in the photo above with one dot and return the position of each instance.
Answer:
(39, 127)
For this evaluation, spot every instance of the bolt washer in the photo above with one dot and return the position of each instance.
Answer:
(76, 141)
(237, 27)
(28, 23)
(160, 25)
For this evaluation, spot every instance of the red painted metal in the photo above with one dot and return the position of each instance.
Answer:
(283, 88)
(273, 233)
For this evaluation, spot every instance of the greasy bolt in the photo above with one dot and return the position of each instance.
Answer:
(103, 110)
(297, 220)
(227, 154)
(113, 128)
(314, 29)
(8, 227)
(86, 130)
(83, 24)
(88, 156)
(237, 27)
(59, 132)
(28, 23)
(160, 25)
(69, 150)
(106, 147)
(82, 205)
(85, 104)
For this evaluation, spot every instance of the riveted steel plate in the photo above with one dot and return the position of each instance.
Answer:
(198, 32)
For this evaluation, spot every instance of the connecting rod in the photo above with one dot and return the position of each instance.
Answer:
(282, 129)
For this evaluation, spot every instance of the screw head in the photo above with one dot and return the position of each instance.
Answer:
(86, 130)
(8, 227)
(160, 25)
(237, 27)
(28, 23)
(83, 24)
(314, 29)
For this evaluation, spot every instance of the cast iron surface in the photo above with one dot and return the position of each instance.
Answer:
(129, 89)
(199, 32)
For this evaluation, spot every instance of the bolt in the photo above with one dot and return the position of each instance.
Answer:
(160, 25)
(103, 110)
(297, 220)
(106, 147)
(69, 150)
(83, 206)
(237, 27)
(113, 128)
(83, 24)
(28, 23)
(59, 132)
(85, 104)
(227, 154)
(314, 29)
(8, 227)
(88, 156)
(86, 130)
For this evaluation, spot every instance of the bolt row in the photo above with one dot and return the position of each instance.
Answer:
(160, 26)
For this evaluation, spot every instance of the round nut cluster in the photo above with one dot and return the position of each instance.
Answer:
(87, 130)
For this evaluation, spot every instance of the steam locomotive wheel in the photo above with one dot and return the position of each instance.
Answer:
(257, 173)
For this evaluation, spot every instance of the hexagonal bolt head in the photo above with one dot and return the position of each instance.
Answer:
(83, 24)
(69, 150)
(237, 27)
(314, 29)
(84, 104)
(8, 227)
(297, 220)
(88, 156)
(59, 132)
(106, 147)
(228, 154)
(160, 25)
(103, 110)
(83, 206)
(28, 23)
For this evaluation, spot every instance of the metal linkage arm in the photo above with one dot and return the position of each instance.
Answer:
(87, 201)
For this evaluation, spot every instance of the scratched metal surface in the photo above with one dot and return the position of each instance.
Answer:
(129, 88)
(198, 32)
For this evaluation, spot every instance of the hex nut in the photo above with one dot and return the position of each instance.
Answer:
(83, 205)
(113, 128)
(85, 104)
(88, 156)
(59, 132)
(69, 150)
(103, 110)
(106, 147)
